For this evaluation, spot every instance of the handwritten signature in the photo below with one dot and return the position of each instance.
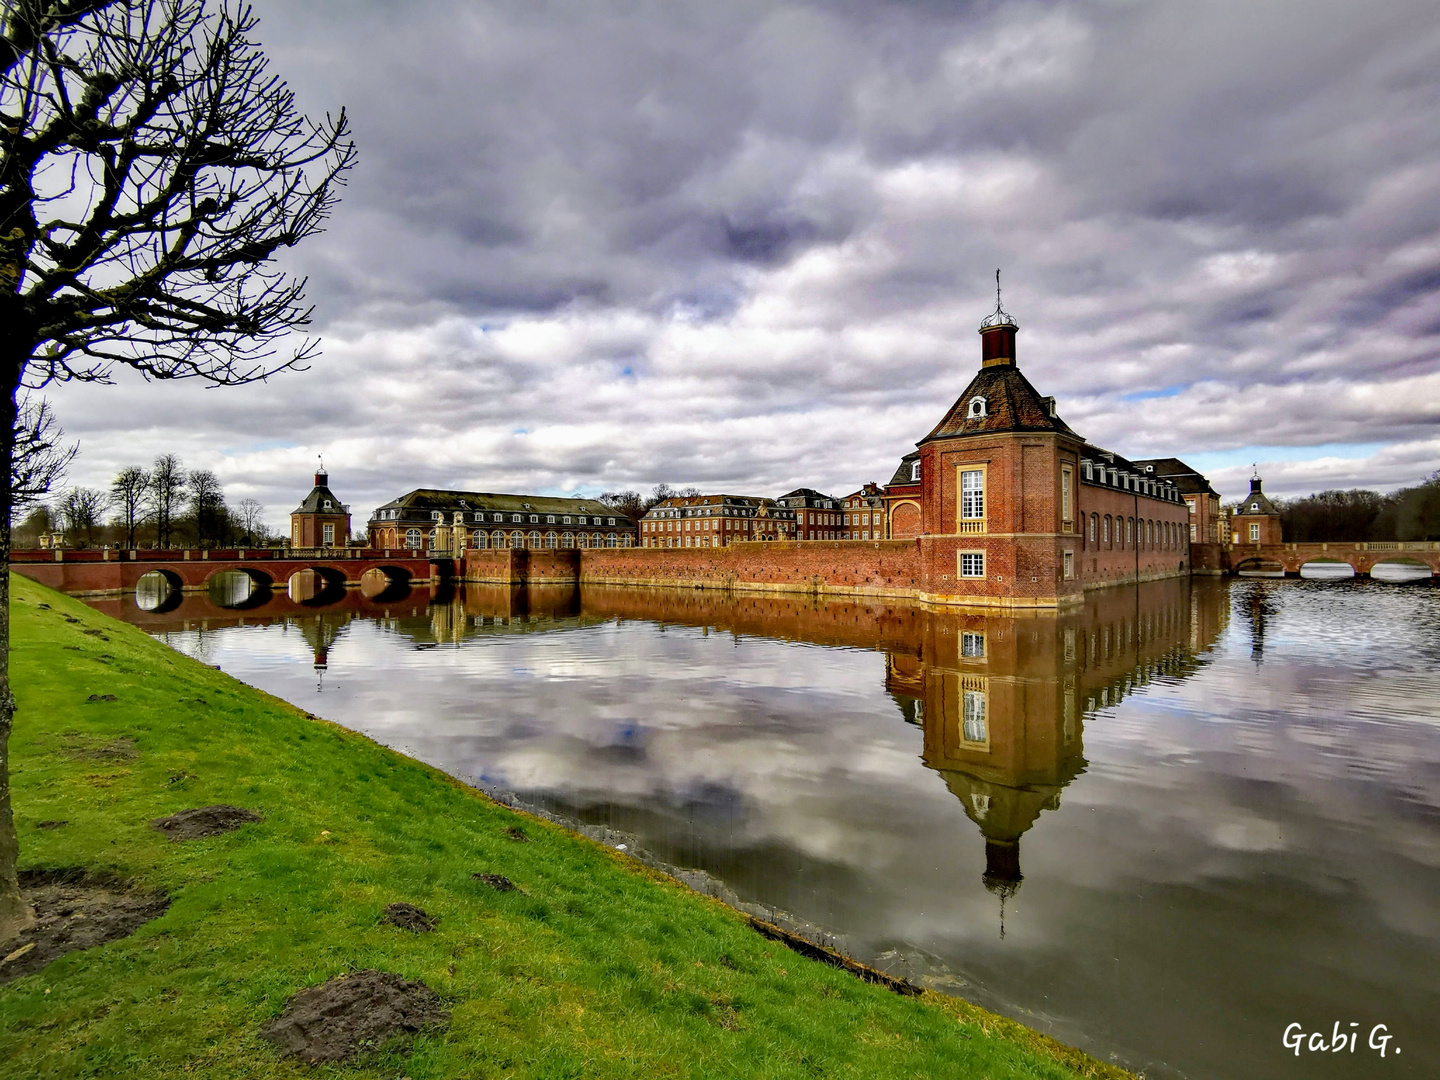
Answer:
(1337, 1042)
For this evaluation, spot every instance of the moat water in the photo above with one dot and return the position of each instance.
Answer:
(1164, 827)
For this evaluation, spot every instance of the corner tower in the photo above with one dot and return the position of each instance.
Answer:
(1257, 521)
(999, 479)
(322, 520)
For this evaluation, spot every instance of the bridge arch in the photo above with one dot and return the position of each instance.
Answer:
(238, 587)
(327, 586)
(159, 590)
(1327, 569)
(259, 577)
(1400, 568)
(385, 582)
(1258, 566)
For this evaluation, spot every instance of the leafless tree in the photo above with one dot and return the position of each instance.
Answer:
(150, 169)
(129, 492)
(40, 459)
(250, 516)
(207, 505)
(167, 494)
(80, 509)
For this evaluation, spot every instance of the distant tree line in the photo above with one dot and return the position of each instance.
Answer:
(164, 506)
(637, 506)
(1359, 515)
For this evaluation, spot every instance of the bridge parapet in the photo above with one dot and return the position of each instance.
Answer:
(1362, 555)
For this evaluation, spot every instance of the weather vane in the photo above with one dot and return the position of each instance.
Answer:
(998, 317)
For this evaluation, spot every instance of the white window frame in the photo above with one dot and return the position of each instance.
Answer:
(971, 564)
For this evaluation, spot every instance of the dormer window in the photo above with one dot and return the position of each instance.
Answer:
(435, 515)
(977, 408)
(328, 504)
(915, 470)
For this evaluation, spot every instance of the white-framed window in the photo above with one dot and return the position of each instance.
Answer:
(975, 730)
(329, 505)
(412, 539)
(328, 532)
(611, 521)
(915, 469)
(534, 519)
(436, 515)
(567, 540)
(1190, 505)
(517, 539)
(549, 519)
(479, 538)
(972, 643)
(1089, 472)
(1065, 478)
(514, 518)
(1254, 532)
(972, 494)
(977, 408)
(565, 520)
(1194, 531)
(972, 564)
(612, 540)
(550, 539)
(1069, 563)
(431, 539)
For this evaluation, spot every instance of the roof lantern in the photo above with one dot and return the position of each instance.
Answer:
(997, 334)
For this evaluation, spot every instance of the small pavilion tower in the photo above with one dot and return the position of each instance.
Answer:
(322, 520)
(1257, 521)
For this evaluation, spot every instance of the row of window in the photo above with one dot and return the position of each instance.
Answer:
(533, 519)
(518, 539)
(1122, 532)
(1125, 481)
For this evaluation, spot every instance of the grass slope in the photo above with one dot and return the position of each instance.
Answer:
(598, 969)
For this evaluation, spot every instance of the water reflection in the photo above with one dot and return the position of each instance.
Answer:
(1162, 826)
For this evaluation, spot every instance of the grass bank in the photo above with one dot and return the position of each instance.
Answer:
(598, 968)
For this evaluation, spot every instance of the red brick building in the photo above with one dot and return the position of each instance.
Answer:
(1016, 508)
(863, 514)
(1201, 500)
(706, 521)
(321, 520)
(436, 519)
(1256, 520)
(817, 516)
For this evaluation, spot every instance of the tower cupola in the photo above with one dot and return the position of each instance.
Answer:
(997, 334)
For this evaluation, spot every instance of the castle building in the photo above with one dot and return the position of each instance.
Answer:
(817, 516)
(437, 519)
(1201, 500)
(715, 521)
(1016, 508)
(1256, 519)
(321, 520)
(864, 514)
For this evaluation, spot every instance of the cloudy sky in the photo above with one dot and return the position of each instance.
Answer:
(746, 245)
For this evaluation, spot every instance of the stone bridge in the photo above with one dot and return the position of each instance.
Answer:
(1361, 556)
(100, 573)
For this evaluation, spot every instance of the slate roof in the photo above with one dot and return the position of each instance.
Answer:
(314, 503)
(902, 473)
(1011, 404)
(1186, 479)
(810, 496)
(1258, 500)
(427, 499)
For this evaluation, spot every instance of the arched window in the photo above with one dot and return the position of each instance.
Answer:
(567, 540)
(497, 539)
(1094, 528)
(517, 539)
(432, 538)
(1129, 530)
(1150, 533)
(1106, 534)
(584, 539)
(412, 539)
(612, 540)
(480, 538)
(534, 541)
(549, 539)
(628, 541)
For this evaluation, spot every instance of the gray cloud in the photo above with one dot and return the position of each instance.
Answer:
(747, 245)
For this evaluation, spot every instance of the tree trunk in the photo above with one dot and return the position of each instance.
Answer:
(15, 913)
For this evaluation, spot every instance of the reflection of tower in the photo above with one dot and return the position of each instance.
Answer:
(1001, 729)
(320, 633)
(1256, 609)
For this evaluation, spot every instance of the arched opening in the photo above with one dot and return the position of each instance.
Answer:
(238, 587)
(158, 591)
(1327, 570)
(316, 586)
(905, 521)
(385, 583)
(1400, 570)
(1267, 568)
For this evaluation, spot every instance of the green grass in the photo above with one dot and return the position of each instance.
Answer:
(599, 969)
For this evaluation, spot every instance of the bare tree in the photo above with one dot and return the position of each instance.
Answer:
(81, 509)
(129, 492)
(167, 493)
(207, 504)
(150, 169)
(250, 516)
(39, 460)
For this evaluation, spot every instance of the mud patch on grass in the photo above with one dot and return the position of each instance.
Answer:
(75, 911)
(498, 882)
(352, 1014)
(408, 917)
(517, 834)
(203, 821)
(58, 823)
(121, 749)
